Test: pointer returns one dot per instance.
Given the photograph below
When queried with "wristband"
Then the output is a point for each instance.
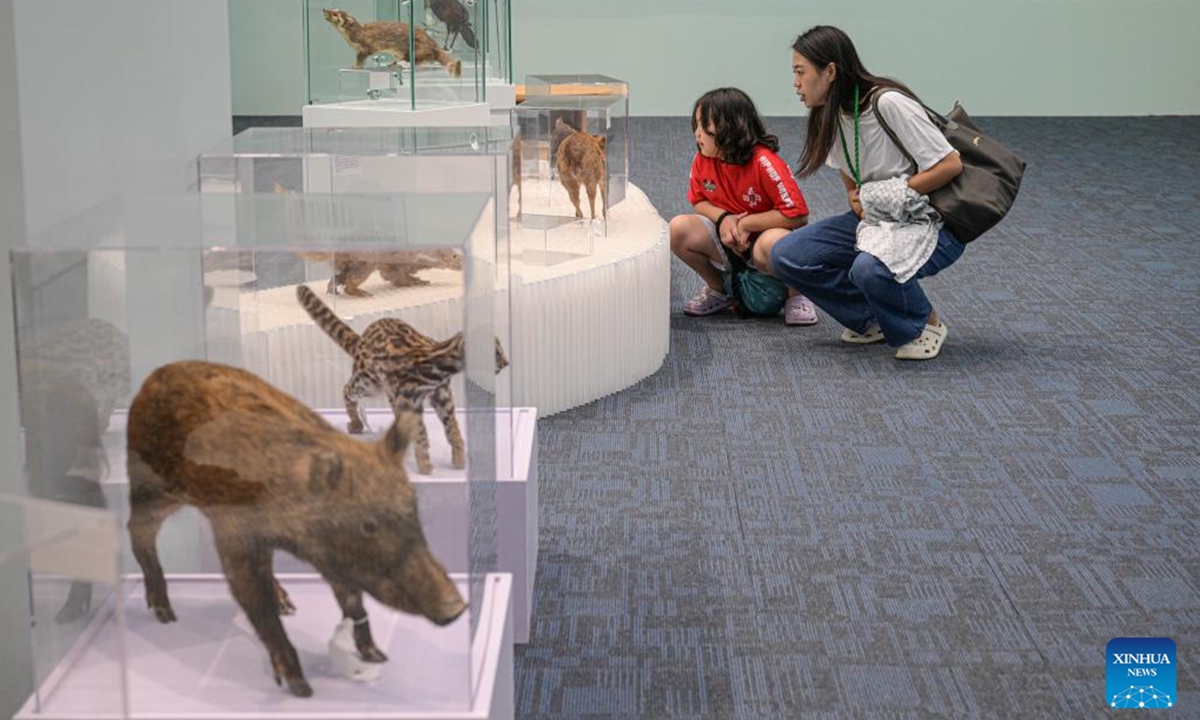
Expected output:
(721, 218)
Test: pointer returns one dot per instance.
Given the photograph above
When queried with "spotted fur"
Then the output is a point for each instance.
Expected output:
(393, 359)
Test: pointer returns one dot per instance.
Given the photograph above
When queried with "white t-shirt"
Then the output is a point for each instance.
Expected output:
(879, 157)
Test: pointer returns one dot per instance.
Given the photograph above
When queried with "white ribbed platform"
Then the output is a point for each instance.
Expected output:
(581, 329)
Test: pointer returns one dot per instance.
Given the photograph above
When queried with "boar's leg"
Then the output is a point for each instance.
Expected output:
(147, 509)
(443, 404)
(247, 567)
(351, 602)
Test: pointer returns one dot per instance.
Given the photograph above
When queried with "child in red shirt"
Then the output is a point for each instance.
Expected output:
(745, 196)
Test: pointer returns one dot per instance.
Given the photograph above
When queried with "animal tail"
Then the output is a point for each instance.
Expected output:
(468, 36)
(333, 326)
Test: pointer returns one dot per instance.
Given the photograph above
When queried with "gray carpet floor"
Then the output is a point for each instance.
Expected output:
(778, 525)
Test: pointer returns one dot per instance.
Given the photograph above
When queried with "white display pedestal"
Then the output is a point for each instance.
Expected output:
(582, 329)
(441, 499)
(501, 96)
(210, 664)
(395, 113)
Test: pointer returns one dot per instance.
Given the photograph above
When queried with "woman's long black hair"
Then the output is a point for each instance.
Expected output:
(735, 123)
(822, 45)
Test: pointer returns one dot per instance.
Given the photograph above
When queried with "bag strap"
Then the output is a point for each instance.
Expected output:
(888, 128)
(736, 262)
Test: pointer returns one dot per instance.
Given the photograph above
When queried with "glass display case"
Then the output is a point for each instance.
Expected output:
(574, 165)
(542, 84)
(185, 379)
(296, 169)
(411, 54)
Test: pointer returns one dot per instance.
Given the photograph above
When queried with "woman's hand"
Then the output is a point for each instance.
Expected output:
(855, 203)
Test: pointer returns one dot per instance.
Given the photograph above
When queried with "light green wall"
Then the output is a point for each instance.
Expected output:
(999, 57)
(267, 56)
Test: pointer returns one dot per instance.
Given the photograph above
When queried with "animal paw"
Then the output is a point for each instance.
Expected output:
(164, 613)
(297, 686)
(286, 606)
(372, 654)
(424, 466)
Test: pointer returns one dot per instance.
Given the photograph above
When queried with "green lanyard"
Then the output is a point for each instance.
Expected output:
(856, 165)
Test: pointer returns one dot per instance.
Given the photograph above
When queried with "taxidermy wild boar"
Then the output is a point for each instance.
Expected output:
(269, 473)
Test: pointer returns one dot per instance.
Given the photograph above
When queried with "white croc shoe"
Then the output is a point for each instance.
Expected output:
(873, 335)
(926, 346)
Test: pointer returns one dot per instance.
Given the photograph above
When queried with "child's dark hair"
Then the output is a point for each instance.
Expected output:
(736, 125)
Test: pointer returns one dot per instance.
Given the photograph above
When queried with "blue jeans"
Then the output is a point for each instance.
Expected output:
(853, 287)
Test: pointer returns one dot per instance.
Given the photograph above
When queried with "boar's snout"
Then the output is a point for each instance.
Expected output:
(423, 587)
(451, 610)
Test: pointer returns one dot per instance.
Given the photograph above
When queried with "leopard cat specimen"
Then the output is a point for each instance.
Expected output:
(389, 37)
(581, 162)
(399, 267)
(392, 358)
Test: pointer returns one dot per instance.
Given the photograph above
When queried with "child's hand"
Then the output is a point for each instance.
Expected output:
(742, 235)
(732, 235)
(728, 230)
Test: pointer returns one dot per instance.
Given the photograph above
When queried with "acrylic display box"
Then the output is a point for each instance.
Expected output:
(566, 196)
(294, 164)
(361, 69)
(543, 84)
(163, 300)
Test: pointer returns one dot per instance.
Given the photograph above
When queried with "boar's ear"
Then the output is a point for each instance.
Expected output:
(324, 472)
(395, 442)
(603, 140)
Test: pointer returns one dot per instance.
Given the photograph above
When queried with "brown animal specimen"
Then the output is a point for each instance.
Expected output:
(392, 358)
(561, 131)
(389, 37)
(581, 162)
(399, 267)
(270, 474)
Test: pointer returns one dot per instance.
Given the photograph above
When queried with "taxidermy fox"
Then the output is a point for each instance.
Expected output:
(581, 162)
(398, 267)
(391, 38)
